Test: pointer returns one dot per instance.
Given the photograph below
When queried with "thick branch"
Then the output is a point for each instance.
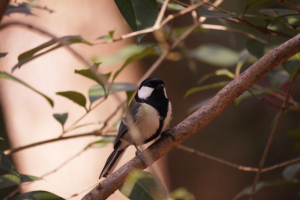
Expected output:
(201, 117)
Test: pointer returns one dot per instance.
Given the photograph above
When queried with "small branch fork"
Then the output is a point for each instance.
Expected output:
(267, 148)
(233, 165)
(287, 4)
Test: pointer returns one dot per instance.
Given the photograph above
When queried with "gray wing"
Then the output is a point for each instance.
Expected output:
(133, 110)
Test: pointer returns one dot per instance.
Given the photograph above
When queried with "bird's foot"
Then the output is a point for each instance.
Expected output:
(140, 155)
(169, 133)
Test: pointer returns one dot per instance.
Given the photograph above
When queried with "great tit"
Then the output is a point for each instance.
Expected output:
(148, 115)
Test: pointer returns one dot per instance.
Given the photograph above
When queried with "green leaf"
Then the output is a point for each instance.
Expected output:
(129, 95)
(262, 185)
(245, 57)
(109, 37)
(182, 193)
(292, 20)
(290, 64)
(278, 77)
(144, 53)
(293, 73)
(295, 134)
(275, 12)
(213, 14)
(61, 118)
(8, 76)
(256, 48)
(124, 53)
(103, 142)
(96, 92)
(216, 55)
(206, 87)
(8, 180)
(170, 6)
(138, 14)
(253, 3)
(92, 74)
(1, 138)
(3, 54)
(290, 172)
(37, 51)
(76, 97)
(7, 165)
(220, 72)
(39, 195)
(143, 185)
(247, 94)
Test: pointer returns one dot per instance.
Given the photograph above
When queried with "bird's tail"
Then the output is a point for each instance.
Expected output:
(114, 159)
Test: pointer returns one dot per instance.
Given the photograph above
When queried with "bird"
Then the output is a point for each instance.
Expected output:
(146, 118)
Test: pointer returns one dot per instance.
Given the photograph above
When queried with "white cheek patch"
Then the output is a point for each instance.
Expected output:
(145, 92)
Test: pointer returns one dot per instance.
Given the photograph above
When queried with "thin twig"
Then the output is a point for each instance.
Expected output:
(13, 193)
(44, 32)
(224, 28)
(281, 164)
(64, 163)
(166, 20)
(14, 150)
(80, 118)
(95, 133)
(289, 5)
(84, 189)
(46, 174)
(194, 13)
(271, 103)
(238, 20)
(264, 156)
(218, 160)
(233, 165)
(161, 14)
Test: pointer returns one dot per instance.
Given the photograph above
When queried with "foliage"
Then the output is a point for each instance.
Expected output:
(277, 23)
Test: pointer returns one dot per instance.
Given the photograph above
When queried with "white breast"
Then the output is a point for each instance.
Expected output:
(145, 126)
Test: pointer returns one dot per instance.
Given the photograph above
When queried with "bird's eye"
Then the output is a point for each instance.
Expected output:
(149, 85)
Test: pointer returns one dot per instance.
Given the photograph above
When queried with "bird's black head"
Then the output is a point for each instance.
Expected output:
(151, 89)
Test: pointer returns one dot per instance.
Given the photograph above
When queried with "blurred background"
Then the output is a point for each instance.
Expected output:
(238, 135)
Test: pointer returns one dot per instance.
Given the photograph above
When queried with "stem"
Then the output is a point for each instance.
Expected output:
(267, 148)
(218, 160)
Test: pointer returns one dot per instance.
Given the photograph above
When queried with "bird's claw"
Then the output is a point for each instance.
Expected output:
(141, 156)
(169, 133)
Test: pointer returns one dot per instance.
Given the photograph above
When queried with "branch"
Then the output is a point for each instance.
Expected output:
(271, 137)
(289, 5)
(201, 117)
(224, 28)
(44, 32)
(14, 150)
(281, 164)
(218, 160)
(233, 165)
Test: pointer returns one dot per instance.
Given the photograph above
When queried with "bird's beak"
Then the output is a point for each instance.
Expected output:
(160, 86)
